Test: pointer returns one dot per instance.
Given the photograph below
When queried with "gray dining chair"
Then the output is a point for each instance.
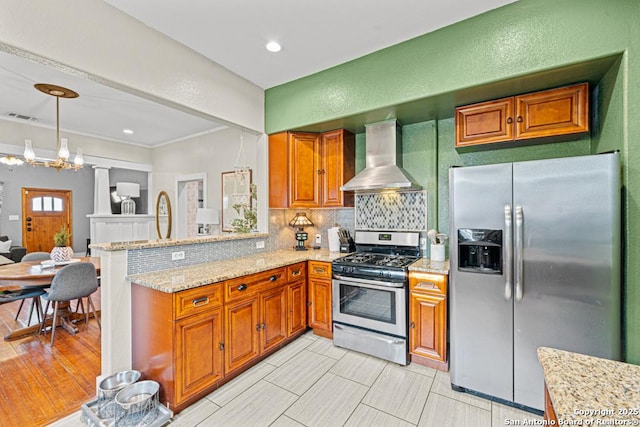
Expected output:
(74, 281)
(34, 294)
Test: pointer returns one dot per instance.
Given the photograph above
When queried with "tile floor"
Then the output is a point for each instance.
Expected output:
(312, 383)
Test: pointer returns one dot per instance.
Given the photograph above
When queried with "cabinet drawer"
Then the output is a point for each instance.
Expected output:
(427, 282)
(248, 285)
(296, 271)
(197, 300)
(320, 269)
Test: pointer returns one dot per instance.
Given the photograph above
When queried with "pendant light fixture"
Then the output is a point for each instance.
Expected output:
(62, 146)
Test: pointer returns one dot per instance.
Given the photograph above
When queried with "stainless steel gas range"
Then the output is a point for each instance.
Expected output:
(370, 294)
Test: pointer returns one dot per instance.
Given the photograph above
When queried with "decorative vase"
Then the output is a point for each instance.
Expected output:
(61, 253)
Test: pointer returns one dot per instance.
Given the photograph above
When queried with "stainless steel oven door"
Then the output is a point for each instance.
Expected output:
(370, 304)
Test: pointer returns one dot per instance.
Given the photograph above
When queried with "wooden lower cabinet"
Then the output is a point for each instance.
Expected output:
(176, 340)
(297, 307)
(273, 313)
(241, 340)
(198, 354)
(195, 340)
(428, 319)
(320, 316)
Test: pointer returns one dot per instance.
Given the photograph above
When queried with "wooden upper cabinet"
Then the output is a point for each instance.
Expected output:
(484, 123)
(338, 167)
(306, 170)
(551, 112)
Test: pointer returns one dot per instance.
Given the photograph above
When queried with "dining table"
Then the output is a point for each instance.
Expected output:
(34, 274)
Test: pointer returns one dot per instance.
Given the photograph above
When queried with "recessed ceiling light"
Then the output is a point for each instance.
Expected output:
(274, 47)
(127, 131)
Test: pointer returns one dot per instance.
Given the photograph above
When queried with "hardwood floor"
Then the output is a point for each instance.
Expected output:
(40, 384)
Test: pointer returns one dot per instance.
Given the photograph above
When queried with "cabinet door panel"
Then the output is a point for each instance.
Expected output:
(297, 306)
(274, 317)
(320, 316)
(304, 168)
(484, 123)
(198, 355)
(241, 334)
(338, 167)
(427, 320)
(553, 112)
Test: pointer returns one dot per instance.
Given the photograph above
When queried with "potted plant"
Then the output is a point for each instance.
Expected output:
(62, 251)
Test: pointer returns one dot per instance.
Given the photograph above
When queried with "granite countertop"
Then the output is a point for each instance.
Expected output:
(587, 390)
(159, 243)
(425, 265)
(179, 279)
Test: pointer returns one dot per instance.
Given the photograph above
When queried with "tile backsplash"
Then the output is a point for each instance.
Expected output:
(396, 211)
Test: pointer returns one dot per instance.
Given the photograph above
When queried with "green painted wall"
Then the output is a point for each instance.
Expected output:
(523, 44)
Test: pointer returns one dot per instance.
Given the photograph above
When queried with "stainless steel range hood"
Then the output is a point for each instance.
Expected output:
(383, 168)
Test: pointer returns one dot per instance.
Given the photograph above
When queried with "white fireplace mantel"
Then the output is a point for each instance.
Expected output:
(107, 228)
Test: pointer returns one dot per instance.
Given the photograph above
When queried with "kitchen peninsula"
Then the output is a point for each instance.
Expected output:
(145, 263)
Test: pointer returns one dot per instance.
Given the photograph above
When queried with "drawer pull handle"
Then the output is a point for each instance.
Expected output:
(273, 278)
(426, 285)
(296, 273)
(199, 302)
(242, 287)
(320, 270)
(412, 325)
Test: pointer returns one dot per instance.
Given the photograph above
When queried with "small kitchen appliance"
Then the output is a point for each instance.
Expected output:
(370, 294)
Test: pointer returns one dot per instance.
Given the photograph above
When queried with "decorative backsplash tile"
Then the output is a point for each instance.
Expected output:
(393, 211)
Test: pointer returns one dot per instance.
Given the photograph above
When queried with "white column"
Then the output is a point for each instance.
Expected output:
(115, 302)
(101, 196)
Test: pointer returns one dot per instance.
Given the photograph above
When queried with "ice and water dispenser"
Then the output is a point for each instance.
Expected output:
(480, 250)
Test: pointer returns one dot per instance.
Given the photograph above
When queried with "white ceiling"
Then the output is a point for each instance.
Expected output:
(315, 35)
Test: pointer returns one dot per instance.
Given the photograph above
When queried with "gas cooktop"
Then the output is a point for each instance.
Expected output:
(377, 260)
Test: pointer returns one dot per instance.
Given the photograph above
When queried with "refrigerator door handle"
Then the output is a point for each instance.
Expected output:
(508, 251)
(518, 253)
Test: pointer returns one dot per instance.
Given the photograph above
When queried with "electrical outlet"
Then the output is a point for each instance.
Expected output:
(260, 244)
(175, 256)
(318, 239)
(14, 218)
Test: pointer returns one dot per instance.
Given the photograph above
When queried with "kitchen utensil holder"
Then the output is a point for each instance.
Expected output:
(437, 253)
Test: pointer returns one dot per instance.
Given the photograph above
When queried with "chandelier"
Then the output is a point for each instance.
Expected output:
(62, 148)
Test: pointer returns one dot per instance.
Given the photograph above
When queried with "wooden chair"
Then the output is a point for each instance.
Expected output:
(74, 281)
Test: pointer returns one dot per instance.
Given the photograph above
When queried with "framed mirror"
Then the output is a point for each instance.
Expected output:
(163, 216)
(236, 198)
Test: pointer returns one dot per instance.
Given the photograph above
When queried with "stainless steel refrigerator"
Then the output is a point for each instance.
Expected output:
(535, 261)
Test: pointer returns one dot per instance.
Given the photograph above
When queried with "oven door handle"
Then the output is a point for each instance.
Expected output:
(378, 283)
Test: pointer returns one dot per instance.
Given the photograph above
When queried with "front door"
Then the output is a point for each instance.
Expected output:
(44, 212)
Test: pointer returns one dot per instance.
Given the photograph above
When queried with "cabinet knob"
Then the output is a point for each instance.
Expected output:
(509, 120)
(412, 325)
(296, 273)
(263, 325)
(242, 287)
(273, 278)
(257, 326)
(221, 347)
(308, 303)
(519, 119)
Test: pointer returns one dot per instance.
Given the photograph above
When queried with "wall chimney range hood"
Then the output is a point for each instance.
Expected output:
(383, 168)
